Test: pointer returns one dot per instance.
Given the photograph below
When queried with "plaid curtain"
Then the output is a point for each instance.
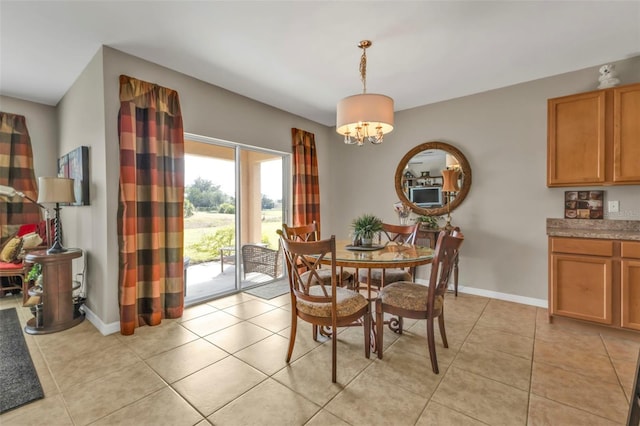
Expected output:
(16, 171)
(151, 197)
(306, 186)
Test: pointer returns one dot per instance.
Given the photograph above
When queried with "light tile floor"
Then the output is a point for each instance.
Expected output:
(223, 364)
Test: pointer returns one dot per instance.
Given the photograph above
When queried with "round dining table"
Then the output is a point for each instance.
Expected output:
(385, 256)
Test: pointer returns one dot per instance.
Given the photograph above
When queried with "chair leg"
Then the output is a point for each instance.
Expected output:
(334, 351)
(292, 336)
(455, 277)
(432, 345)
(379, 327)
(367, 335)
(443, 333)
(315, 333)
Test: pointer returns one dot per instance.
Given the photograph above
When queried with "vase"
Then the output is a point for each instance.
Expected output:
(366, 242)
(404, 220)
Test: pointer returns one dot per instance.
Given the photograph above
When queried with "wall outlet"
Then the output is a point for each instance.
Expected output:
(614, 206)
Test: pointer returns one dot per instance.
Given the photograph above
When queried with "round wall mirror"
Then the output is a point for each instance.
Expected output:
(419, 178)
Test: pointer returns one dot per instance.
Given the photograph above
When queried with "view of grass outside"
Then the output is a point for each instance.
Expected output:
(206, 232)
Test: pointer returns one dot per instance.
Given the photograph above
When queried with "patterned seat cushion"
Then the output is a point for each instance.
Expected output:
(325, 276)
(347, 301)
(390, 276)
(408, 295)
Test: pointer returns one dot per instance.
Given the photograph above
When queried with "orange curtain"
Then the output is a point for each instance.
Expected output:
(306, 186)
(151, 197)
(16, 171)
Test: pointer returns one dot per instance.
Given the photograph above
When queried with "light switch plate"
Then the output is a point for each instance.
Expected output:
(614, 206)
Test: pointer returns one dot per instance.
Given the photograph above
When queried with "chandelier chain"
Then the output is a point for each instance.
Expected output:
(363, 69)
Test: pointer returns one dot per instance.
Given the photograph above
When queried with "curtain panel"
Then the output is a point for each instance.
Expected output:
(16, 171)
(151, 197)
(306, 185)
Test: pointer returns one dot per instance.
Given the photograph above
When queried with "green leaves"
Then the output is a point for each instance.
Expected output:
(366, 225)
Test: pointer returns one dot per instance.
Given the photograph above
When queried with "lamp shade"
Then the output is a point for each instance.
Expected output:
(452, 162)
(371, 108)
(450, 180)
(55, 190)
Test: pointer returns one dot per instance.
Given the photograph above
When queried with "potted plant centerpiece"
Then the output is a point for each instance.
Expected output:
(428, 222)
(365, 227)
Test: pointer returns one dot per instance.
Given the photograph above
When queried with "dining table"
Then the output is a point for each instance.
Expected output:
(384, 256)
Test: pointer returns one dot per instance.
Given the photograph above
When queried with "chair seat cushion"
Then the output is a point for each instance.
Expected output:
(4, 266)
(408, 295)
(348, 302)
(390, 276)
(325, 276)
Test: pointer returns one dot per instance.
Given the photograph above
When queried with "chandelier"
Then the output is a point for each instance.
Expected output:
(367, 116)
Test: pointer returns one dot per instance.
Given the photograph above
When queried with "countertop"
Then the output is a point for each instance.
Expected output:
(594, 228)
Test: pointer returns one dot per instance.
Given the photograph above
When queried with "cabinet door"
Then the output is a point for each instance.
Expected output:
(631, 294)
(626, 134)
(576, 139)
(581, 287)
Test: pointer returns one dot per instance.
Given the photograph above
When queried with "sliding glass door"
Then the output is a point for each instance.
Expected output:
(234, 202)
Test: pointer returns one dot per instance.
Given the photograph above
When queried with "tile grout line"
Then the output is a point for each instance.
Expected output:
(451, 365)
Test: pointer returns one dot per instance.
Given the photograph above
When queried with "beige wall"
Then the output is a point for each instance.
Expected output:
(503, 134)
(81, 123)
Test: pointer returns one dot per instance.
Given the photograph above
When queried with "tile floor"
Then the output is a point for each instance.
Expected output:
(223, 364)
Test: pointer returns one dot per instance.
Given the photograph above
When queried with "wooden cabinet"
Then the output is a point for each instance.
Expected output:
(595, 280)
(630, 281)
(593, 138)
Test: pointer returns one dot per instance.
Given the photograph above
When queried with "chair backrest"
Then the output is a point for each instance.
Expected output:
(309, 255)
(446, 252)
(404, 234)
(308, 232)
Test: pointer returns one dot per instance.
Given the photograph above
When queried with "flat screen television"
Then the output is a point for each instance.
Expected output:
(426, 196)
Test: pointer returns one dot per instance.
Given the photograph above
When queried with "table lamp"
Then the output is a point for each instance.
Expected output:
(450, 186)
(56, 190)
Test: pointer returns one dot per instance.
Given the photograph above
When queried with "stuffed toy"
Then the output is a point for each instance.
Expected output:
(608, 76)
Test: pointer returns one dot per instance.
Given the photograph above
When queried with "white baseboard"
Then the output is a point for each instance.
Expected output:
(540, 303)
(103, 328)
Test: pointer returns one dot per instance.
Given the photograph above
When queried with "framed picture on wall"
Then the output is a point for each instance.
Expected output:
(75, 165)
(583, 204)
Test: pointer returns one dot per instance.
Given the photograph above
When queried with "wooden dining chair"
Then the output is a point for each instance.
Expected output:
(311, 232)
(417, 301)
(398, 234)
(320, 303)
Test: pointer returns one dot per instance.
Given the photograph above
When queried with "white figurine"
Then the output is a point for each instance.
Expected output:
(608, 76)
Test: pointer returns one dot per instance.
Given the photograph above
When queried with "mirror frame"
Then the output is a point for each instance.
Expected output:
(466, 181)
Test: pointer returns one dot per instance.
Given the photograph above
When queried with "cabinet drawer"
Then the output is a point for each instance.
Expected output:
(582, 246)
(630, 249)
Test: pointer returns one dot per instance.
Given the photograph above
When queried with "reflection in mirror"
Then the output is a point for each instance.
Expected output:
(419, 178)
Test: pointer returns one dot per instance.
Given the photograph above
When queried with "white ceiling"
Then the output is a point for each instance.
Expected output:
(301, 56)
